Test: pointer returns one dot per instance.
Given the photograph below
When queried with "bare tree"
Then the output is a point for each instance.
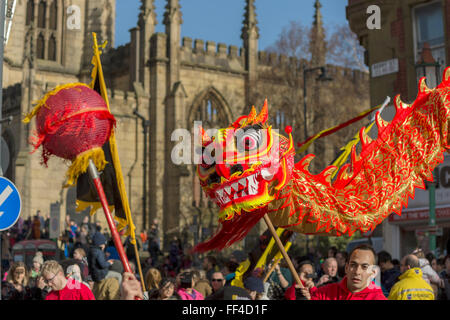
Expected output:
(281, 81)
(344, 49)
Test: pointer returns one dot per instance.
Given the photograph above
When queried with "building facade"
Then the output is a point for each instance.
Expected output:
(171, 81)
(410, 33)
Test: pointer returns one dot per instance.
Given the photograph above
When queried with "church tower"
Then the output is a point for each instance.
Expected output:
(250, 36)
(316, 116)
(317, 44)
(140, 45)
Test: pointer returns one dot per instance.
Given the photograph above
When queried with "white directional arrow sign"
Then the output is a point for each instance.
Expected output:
(4, 195)
(10, 204)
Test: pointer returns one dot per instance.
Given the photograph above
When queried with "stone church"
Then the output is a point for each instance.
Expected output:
(171, 81)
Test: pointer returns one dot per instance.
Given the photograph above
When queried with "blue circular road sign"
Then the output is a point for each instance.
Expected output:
(10, 204)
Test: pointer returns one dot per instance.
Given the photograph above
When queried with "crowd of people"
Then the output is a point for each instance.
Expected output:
(91, 269)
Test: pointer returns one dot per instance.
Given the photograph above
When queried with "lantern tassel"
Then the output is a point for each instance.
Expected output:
(81, 164)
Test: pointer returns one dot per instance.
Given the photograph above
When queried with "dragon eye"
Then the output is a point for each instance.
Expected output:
(208, 158)
(250, 140)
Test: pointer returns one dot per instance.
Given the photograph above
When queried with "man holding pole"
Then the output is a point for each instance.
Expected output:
(360, 271)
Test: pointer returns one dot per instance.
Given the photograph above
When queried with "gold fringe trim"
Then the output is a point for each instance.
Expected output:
(42, 101)
(247, 205)
(81, 163)
(83, 205)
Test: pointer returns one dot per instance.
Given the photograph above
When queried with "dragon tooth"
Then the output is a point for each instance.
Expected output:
(236, 196)
(243, 182)
(243, 194)
(220, 193)
(252, 185)
(226, 200)
(228, 189)
(235, 186)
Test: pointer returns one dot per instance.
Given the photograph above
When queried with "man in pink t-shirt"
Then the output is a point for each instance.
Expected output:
(62, 288)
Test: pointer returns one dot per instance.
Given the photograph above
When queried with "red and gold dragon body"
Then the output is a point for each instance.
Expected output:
(248, 170)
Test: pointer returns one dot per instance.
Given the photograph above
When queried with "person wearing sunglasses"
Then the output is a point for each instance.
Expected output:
(217, 281)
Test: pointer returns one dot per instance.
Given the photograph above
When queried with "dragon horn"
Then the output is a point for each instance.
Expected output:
(423, 85)
(251, 116)
(263, 115)
(205, 138)
(447, 74)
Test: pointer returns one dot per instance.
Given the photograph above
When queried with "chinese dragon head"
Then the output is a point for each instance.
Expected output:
(247, 163)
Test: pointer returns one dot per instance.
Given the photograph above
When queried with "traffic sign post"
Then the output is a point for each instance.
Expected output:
(10, 207)
(432, 217)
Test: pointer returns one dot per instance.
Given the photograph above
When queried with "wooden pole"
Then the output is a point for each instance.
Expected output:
(271, 270)
(282, 250)
(138, 262)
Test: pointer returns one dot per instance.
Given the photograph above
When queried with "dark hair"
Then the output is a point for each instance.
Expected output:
(301, 259)
(334, 250)
(344, 254)
(430, 257)
(165, 281)
(232, 266)
(305, 262)
(185, 285)
(384, 256)
(395, 262)
(364, 246)
(446, 257)
(212, 260)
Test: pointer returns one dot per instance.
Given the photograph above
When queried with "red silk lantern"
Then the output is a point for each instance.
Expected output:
(72, 122)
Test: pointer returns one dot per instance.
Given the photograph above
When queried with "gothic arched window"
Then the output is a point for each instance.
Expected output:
(30, 12)
(47, 17)
(40, 47)
(52, 48)
(210, 110)
(53, 16)
(281, 119)
(41, 14)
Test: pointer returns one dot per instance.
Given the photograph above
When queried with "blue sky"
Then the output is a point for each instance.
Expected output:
(221, 20)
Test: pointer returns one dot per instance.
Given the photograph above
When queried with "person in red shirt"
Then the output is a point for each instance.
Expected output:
(62, 288)
(358, 284)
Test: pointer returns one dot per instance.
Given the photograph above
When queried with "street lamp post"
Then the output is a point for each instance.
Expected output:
(432, 214)
(428, 67)
(322, 77)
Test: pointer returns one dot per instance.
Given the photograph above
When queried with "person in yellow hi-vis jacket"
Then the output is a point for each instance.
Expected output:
(411, 285)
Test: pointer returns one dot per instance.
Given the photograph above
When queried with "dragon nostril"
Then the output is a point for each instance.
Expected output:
(236, 168)
(214, 178)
